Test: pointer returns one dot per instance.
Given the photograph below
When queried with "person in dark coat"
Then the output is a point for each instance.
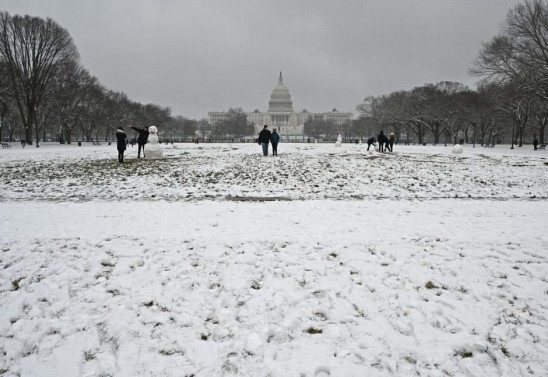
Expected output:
(391, 141)
(535, 143)
(264, 139)
(141, 139)
(371, 141)
(274, 139)
(121, 142)
(383, 140)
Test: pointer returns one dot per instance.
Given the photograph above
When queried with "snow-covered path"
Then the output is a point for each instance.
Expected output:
(302, 288)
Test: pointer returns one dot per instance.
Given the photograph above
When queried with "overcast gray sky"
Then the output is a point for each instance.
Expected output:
(200, 56)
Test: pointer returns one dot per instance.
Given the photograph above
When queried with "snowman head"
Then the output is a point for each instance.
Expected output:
(152, 130)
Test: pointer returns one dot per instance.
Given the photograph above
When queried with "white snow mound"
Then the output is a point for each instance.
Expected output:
(457, 149)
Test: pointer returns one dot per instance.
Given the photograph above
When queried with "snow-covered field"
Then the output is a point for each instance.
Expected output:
(412, 263)
(302, 171)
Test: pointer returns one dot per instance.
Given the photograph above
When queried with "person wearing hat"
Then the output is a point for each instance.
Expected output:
(391, 141)
(121, 139)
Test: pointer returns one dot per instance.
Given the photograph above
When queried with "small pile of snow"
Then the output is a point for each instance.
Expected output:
(457, 149)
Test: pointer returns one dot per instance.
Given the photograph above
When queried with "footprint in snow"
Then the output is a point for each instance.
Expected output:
(322, 371)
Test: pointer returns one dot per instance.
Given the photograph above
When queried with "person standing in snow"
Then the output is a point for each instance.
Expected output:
(141, 139)
(371, 141)
(121, 140)
(391, 141)
(274, 139)
(535, 143)
(264, 139)
(383, 140)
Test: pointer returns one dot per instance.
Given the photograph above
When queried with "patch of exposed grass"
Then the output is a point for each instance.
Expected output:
(313, 330)
(15, 284)
(89, 355)
(464, 354)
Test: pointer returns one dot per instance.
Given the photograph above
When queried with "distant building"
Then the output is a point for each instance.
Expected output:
(280, 115)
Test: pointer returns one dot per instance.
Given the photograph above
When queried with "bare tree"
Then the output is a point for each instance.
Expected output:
(235, 125)
(517, 106)
(34, 49)
(520, 52)
(69, 90)
(539, 118)
(91, 109)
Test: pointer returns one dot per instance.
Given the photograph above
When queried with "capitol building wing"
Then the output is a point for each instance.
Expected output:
(280, 115)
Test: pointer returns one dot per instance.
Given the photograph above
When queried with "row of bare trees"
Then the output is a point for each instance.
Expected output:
(235, 126)
(509, 105)
(45, 90)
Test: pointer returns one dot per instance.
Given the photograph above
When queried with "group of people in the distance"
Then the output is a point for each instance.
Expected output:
(265, 137)
(385, 143)
(121, 141)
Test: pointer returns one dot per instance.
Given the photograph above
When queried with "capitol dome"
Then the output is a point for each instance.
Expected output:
(280, 99)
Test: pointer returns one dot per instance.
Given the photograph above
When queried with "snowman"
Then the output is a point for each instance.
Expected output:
(339, 141)
(154, 149)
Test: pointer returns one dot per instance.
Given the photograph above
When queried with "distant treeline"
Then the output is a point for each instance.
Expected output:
(45, 93)
(510, 104)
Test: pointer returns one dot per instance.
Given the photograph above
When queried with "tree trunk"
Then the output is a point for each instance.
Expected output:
(541, 133)
(67, 134)
(37, 134)
(436, 133)
(28, 135)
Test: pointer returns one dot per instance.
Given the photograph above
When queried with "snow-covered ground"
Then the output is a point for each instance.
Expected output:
(302, 171)
(180, 268)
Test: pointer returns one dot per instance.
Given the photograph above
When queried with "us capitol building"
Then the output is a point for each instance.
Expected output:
(280, 115)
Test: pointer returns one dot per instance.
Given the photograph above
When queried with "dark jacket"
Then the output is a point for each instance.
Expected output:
(382, 138)
(371, 140)
(121, 138)
(392, 139)
(275, 138)
(143, 135)
(264, 136)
